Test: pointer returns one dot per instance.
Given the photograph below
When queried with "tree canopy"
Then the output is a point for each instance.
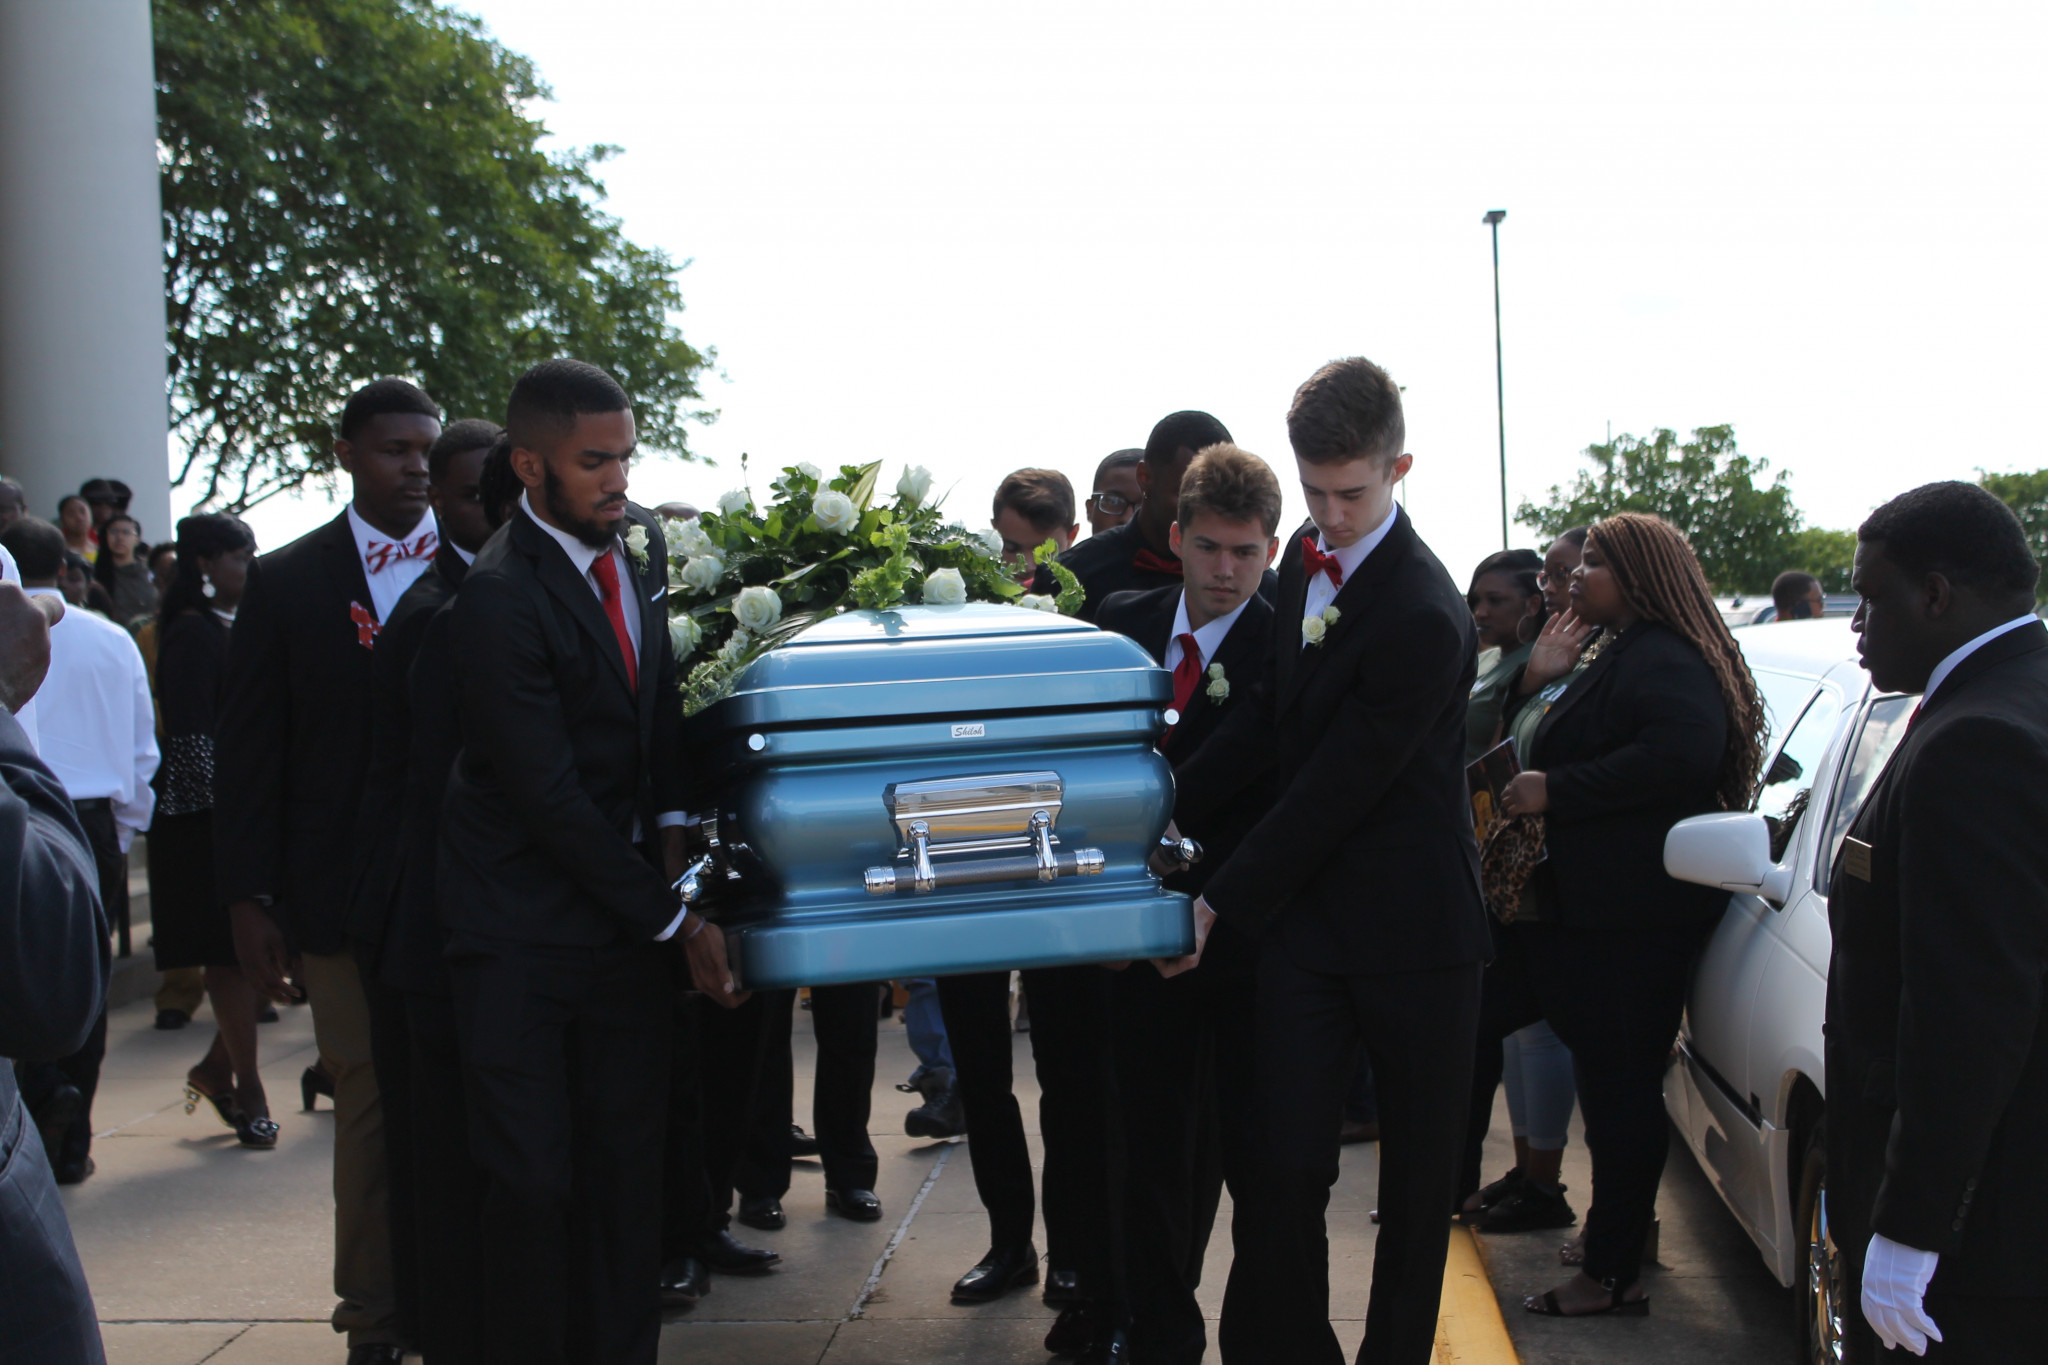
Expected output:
(1738, 516)
(351, 189)
(2027, 496)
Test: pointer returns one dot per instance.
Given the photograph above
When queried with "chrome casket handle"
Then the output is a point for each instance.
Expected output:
(1044, 864)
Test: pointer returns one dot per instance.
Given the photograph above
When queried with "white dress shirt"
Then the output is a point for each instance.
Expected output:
(1208, 639)
(1321, 591)
(26, 716)
(389, 583)
(1948, 665)
(98, 727)
(582, 557)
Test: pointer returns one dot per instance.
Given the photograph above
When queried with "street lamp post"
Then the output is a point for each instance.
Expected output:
(1492, 221)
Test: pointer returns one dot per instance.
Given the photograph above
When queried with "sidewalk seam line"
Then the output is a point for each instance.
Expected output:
(225, 1344)
(874, 1279)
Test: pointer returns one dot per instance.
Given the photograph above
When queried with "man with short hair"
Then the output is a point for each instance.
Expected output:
(13, 503)
(1798, 597)
(1937, 1013)
(561, 836)
(1033, 506)
(1183, 1047)
(98, 735)
(106, 498)
(1362, 880)
(1116, 494)
(289, 763)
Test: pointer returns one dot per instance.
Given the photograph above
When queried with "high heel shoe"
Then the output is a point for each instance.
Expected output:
(223, 1105)
(258, 1131)
(313, 1081)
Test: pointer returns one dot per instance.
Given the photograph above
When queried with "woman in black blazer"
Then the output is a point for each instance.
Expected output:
(1664, 724)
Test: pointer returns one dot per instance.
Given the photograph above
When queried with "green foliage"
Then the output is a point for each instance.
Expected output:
(1071, 595)
(351, 188)
(1829, 556)
(1744, 529)
(2027, 496)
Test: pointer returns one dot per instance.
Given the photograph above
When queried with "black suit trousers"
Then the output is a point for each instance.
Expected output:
(566, 1056)
(1069, 1023)
(82, 1068)
(845, 1020)
(447, 1184)
(1417, 1028)
(1184, 1068)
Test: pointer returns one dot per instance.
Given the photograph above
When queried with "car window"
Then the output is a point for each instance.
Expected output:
(1784, 695)
(1883, 727)
(1788, 782)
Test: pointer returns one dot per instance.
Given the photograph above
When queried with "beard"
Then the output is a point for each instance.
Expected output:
(598, 535)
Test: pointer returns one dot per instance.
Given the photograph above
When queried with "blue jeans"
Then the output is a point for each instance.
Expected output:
(926, 1027)
(1537, 1071)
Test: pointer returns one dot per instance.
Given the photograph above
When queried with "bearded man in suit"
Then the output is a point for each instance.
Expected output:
(561, 836)
(1937, 1014)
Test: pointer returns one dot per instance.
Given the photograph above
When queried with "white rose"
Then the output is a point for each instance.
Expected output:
(1216, 670)
(835, 512)
(1039, 601)
(684, 635)
(735, 502)
(737, 645)
(1313, 629)
(701, 574)
(688, 539)
(1330, 615)
(808, 470)
(636, 543)
(914, 485)
(945, 588)
(757, 608)
(1219, 690)
(992, 541)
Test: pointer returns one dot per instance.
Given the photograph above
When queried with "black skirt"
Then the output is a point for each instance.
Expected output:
(188, 922)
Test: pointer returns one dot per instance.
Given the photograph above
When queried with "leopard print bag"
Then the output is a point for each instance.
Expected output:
(1514, 847)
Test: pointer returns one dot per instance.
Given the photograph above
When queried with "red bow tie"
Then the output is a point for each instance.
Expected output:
(384, 553)
(1314, 561)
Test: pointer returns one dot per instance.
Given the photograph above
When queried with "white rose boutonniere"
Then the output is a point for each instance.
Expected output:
(737, 501)
(915, 483)
(757, 608)
(835, 512)
(1219, 686)
(702, 573)
(636, 546)
(945, 588)
(1314, 628)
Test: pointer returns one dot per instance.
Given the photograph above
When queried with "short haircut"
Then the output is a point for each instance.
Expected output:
(1789, 588)
(68, 498)
(471, 433)
(1231, 483)
(1957, 530)
(38, 548)
(1574, 536)
(380, 396)
(161, 550)
(1178, 431)
(497, 486)
(121, 516)
(547, 400)
(1042, 497)
(1347, 410)
(1115, 460)
(111, 491)
(8, 485)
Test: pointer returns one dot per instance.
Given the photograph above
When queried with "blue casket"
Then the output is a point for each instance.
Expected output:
(935, 790)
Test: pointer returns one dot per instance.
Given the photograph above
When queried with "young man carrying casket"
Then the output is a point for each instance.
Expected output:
(1183, 1046)
(1362, 881)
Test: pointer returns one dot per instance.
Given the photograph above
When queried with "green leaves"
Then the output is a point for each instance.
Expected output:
(352, 188)
(1070, 595)
(2027, 496)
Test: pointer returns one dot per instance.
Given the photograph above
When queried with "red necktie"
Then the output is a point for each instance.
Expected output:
(1314, 561)
(1152, 561)
(607, 570)
(1187, 675)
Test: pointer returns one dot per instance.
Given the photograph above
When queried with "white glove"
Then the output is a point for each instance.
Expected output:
(1894, 1285)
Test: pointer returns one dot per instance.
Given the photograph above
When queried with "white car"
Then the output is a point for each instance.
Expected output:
(1746, 1082)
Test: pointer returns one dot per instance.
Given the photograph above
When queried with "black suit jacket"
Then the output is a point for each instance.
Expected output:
(1365, 863)
(294, 739)
(391, 835)
(1937, 1015)
(1631, 748)
(1106, 563)
(1147, 617)
(559, 758)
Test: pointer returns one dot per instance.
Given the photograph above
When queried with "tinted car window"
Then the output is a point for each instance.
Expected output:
(1788, 782)
(1883, 728)
(1784, 695)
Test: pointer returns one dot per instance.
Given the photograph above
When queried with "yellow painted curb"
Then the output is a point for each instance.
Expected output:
(1469, 1329)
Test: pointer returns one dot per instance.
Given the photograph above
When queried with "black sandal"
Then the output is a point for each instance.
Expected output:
(1546, 1305)
(259, 1132)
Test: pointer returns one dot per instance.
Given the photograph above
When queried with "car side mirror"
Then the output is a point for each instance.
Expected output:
(1731, 851)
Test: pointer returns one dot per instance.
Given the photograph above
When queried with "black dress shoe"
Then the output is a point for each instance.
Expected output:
(1077, 1328)
(1111, 1348)
(800, 1142)
(381, 1354)
(170, 1019)
(74, 1170)
(764, 1213)
(1003, 1269)
(729, 1256)
(1532, 1207)
(859, 1205)
(684, 1281)
(1062, 1287)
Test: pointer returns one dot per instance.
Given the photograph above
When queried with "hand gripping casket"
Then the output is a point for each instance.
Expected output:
(935, 790)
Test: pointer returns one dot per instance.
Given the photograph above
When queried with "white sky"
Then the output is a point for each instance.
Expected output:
(980, 236)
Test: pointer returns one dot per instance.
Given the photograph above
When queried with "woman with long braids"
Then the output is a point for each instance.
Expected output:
(1664, 724)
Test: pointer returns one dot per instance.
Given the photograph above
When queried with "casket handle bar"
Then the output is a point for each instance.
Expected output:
(1183, 853)
(1081, 862)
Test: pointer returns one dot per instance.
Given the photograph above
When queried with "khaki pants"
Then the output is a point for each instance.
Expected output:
(183, 989)
(368, 1310)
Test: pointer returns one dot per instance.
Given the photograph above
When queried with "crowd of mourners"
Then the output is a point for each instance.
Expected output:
(382, 770)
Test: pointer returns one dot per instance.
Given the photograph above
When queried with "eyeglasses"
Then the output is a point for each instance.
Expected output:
(1111, 503)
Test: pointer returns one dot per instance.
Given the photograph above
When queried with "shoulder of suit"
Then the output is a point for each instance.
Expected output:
(1137, 603)
(335, 531)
